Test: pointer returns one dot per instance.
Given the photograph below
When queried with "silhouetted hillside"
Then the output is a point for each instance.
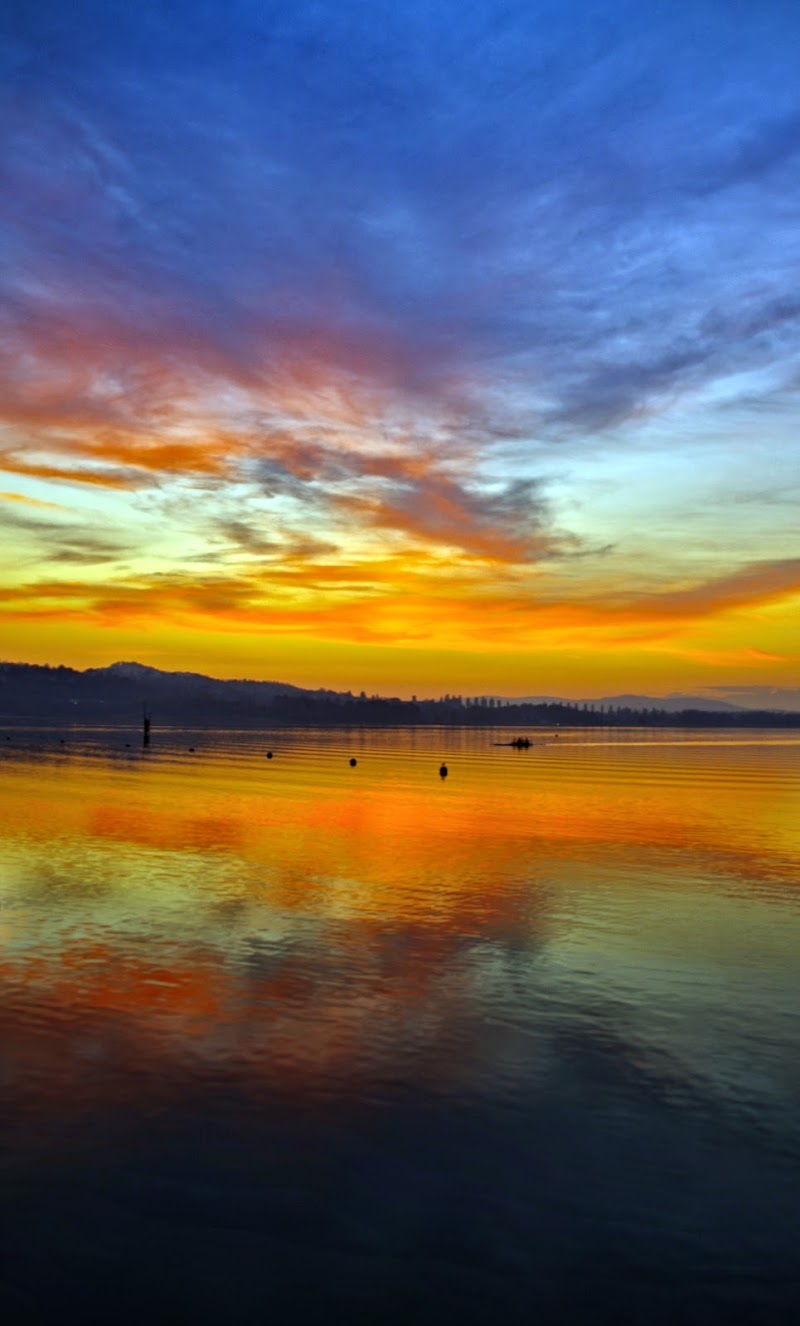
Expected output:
(117, 695)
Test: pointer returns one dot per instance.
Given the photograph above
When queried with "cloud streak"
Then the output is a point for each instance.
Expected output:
(362, 602)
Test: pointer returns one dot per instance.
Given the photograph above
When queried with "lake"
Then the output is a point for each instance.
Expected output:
(293, 1039)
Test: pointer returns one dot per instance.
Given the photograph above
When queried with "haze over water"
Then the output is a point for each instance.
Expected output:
(295, 1037)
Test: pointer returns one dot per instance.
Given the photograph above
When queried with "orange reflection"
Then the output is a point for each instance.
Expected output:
(181, 866)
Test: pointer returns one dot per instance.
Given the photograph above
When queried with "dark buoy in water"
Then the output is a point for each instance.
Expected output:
(443, 771)
(269, 754)
(353, 762)
(191, 748)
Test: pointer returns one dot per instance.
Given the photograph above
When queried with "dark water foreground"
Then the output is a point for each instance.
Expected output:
(292, 1040)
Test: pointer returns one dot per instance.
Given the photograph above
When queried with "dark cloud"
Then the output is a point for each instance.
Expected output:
(428, 498)
(281, 545)
(245, 536)
(61, 541)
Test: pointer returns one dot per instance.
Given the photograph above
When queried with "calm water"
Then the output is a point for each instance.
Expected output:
(290, 1040)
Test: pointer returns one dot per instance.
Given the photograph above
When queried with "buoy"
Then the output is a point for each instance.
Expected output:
(191, 748)
(269, 754)
(353, 763)
(443, 771)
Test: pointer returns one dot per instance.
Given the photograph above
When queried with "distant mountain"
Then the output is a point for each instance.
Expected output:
(187, 683)
(671, 704)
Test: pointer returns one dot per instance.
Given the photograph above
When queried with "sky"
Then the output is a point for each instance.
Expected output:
(410, 348)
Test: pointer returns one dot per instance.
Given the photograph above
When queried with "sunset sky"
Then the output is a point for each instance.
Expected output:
(413, 347)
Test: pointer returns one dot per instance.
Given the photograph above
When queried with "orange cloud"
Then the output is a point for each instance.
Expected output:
(758, 583)
(30, 501)
(13, 464)
(387, 602)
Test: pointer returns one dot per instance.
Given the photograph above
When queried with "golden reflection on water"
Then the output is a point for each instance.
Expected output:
(320, 926)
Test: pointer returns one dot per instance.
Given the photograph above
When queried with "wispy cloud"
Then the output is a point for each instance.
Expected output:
(62, 541)
(25, 500)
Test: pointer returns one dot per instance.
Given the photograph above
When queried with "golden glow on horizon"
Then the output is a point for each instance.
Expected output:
(549, 666)
(404, 644)
(304, 523)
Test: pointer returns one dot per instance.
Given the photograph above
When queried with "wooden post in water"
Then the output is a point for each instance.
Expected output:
(145, 726)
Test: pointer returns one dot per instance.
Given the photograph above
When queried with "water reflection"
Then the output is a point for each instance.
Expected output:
(444, 1040)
